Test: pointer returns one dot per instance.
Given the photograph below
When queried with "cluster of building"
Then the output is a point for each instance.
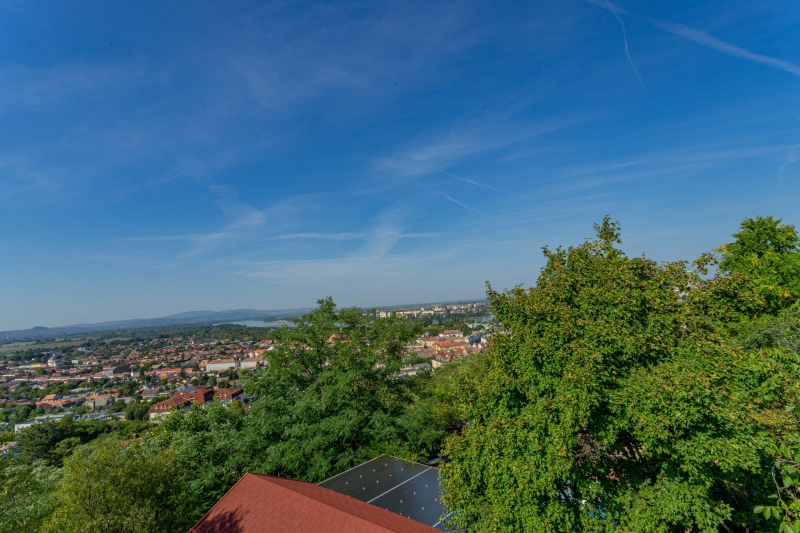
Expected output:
(481, 307)
(90, 380)
(449, 345)
(56, 417)
(176, 360)
(178, 367)
(185, 398)
(98, 403)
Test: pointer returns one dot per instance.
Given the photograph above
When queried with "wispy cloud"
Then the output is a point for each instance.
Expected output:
(477, 183)
(625, 40)
(25, 88)
(709, 41)
(791, 158)
(431, 153)
(702, 39)
(246, 224)
(462, 204)
(325, 51)
(367, 269)
(377, 257)
(345, 236)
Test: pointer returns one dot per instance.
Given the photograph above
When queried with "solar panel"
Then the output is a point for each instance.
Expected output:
(403, 487)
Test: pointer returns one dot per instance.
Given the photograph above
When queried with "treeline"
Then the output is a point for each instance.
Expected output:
(624, 395)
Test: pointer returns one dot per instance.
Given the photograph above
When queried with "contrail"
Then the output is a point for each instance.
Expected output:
(625, 40)
(476, 183)
(462, 204)
(700, 38)
(708, 41)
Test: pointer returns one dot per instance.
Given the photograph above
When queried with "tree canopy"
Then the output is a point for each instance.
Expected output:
(613, 402)
(766, 251)
(110, 486)
(331, 395)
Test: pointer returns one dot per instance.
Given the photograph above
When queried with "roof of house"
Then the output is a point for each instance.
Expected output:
(228, 393)
(193, 389)
(259, 504)
(195, 394)
(167, 405)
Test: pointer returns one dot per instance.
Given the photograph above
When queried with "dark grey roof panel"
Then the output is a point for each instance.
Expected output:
(373, 478)
(403, 487)
(417, 498)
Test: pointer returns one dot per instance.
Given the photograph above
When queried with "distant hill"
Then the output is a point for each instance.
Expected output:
(190, 317)
(191, 314)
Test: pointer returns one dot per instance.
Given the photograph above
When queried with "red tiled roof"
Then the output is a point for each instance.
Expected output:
(229, 393)
(168, 405)
(261, 504)
(451, 344)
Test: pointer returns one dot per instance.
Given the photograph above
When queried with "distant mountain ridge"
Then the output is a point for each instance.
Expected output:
(189, 317)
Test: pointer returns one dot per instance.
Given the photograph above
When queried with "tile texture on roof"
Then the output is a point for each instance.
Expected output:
(260, 504)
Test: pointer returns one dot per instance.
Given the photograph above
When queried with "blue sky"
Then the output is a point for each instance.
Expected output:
(171, 156)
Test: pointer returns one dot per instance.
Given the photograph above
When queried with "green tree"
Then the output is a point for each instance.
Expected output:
(137, 411)
(767, 252)
(779, 373)
(117, 406)
(212, 451)
(330, 396)
(39, 442)
(774, 345)
(109, 486)
(610, 404)
(21, 414)
(25, 495)
(65, 447)
(436, 407)
(128, 388)
(781, 331)
(52, 442)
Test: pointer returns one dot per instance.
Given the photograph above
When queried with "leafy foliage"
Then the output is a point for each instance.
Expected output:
(331, 395)
(25, 500)
(51, 442)
(211, 450)
(113, 486)
(780, 392)
(610, 404)
(767, 252)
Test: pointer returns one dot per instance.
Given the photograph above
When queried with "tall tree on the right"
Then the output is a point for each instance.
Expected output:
(768, 253)
(614, 401)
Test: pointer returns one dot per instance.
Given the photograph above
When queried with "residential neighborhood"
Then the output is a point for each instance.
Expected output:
(147, 379)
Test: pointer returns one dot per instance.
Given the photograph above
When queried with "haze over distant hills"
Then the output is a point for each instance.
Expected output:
(190, 317)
